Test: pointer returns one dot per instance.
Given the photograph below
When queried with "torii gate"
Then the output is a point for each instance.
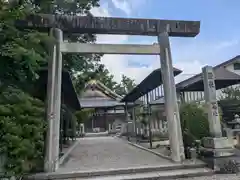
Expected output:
(107, 25)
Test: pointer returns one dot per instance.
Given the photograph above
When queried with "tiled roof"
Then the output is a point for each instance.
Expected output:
(223, 78)
(99, 102)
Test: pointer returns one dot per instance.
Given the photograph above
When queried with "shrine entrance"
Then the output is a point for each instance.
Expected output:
(105, 109)
(162, 29)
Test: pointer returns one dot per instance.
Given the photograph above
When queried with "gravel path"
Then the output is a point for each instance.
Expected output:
(109, 152)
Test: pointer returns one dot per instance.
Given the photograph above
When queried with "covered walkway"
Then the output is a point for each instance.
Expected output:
(151, 82)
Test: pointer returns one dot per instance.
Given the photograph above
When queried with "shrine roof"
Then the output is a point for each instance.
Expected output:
(96, 89)
(99, 102)
(68, 92)
(152, 81)
(223, 78)
(97, 95)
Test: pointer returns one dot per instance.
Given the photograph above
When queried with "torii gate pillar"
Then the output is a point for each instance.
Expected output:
(170, 96)
(51, 162)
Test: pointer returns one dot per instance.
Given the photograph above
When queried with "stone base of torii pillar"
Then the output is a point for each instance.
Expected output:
(218, 151)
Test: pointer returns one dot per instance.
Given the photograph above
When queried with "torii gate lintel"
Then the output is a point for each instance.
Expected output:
(110, 25)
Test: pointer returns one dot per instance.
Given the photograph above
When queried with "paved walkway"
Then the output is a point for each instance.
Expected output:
(95, 153)
(215, 177)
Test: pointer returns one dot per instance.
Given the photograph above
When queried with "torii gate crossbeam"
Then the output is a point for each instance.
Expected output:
(110, 25)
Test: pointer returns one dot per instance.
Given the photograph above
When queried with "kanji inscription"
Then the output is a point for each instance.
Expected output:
(109, 25)
(214, 109)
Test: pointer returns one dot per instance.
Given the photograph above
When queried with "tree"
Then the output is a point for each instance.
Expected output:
(22, 129)
(85, 67)
(70, 7)
(125, 86)
(194, 120)
(229, 103)
(194, 124)
(83, 115)
(128, 83)
(230, 93)
(98, 72)
(82, 67)
(21, 52)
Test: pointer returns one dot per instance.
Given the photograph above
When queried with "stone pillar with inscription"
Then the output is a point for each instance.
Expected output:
(211, 102)
(218, 145)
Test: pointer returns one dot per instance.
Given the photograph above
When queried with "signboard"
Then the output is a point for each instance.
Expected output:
(109, 25)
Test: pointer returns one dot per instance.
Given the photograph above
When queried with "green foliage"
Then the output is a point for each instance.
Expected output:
(83, 68)
(139, 113)
(83, 115)
(68, 122)
(22, 129)
(230, 103)
(230, 93)
(21, 52)
(194, 123)
(125, 86)
(70, 7)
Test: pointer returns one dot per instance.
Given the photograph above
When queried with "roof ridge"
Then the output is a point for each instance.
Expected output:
(111, 91)
(104, 87)
(214, 67)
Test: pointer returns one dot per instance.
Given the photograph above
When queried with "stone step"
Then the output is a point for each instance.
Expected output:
(123, 172)
(99, 134)
(155, 175)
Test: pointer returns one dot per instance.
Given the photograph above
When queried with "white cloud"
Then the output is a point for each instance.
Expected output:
(189, 69)
(129, 6)
(123, 5)
(227, 44)
(118, 64)
(100, 11)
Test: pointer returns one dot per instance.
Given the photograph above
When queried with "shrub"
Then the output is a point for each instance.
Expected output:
(194, 123)
(83, 115)
(22, 129)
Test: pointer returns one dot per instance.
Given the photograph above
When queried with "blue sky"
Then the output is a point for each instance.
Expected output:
(218, 41)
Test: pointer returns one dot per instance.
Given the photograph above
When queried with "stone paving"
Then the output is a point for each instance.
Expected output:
(96, 153)
(215, 177)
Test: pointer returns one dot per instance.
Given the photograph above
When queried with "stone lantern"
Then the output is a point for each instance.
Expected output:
(146, 114)
(235, 124)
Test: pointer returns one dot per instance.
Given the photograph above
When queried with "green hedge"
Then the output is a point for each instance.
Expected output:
(194, 123)
(22, 129)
